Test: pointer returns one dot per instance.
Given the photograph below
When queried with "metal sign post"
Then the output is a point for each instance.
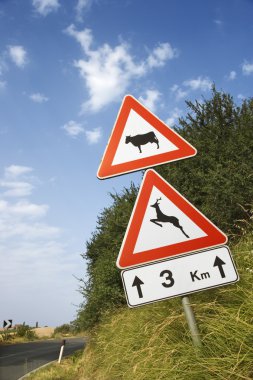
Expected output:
(190, 317)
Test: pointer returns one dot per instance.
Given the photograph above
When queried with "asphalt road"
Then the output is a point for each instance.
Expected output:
(18, 359)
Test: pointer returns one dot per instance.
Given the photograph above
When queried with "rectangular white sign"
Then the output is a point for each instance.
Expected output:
(179, 275)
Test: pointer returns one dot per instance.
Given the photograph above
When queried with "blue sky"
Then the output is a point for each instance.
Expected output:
(65, 67)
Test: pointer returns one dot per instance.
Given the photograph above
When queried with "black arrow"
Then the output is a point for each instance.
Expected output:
(137, 282)
(218, 263)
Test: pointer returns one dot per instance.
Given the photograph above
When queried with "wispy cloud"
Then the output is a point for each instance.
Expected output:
(81, 7)
(173, 117)
(108, 71)
(34, 259)
(15, 171)
(161, 54)
(16, 188)
(44, 7)
(232, 75)
(189, 85)
(218, 22)
(178, 92)
(247, 68)
(241, 96)
(15, 183)
(2, 84)
(15, 209)
(38, 98)
(150, 99)
(3, 65)
(199, 83)
(93, 136)
(73, 129)
(23, 208)
(18, 55)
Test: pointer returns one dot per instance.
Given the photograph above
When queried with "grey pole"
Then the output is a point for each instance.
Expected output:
(189, 315)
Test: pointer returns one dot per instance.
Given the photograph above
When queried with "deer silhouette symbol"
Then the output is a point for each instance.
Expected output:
(162, 218)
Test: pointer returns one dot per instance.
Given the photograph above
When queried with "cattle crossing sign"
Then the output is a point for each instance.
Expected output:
(140, 140)
(164, 224)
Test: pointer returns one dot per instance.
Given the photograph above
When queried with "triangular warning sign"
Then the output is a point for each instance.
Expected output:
(140, 140)
(163, 224)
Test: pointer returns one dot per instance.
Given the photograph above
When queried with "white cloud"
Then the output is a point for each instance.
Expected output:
(200, 83)
(13, 183)
(232, 75)
(108, 71)
(84, 37)
(34, 259)
(15, 216)
(2, 84)
(150, 99)
(218, 22)
(241, 96)
(17, 170)
(73, 129)
(38, 98)
(3, 65)
(18, 55)
(44, 7)
(28, 231)
(247, 68)
(23, 208)
(173, 117)
(16, 188)
(161, 54)
(81, 7)
(178, 92)
(107, 74)
(93, 136)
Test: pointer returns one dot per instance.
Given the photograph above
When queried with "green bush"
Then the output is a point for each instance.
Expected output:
(25, 331)
(218, 181)
(103, 290)
(153, 342)
(64, 329)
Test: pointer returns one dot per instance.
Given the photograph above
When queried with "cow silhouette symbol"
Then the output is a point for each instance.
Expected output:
(163, 218)
(143, 139)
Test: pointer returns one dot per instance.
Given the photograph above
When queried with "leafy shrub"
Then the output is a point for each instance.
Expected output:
(64, 329)
(25, 331)
(218, 181)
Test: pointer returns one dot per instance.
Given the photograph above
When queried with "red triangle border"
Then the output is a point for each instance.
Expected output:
(107, 170)
(126, 256)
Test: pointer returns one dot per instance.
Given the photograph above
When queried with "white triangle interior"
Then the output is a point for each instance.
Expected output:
(152, 236)
(136, 125)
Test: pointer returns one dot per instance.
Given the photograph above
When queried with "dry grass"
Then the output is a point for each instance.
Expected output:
(67, 369)
(44, 332)
(153, 342)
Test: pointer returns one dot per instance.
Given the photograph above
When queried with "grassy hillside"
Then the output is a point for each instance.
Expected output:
(153, 342)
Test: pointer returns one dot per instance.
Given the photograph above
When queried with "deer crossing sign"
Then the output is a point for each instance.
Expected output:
(164, 224)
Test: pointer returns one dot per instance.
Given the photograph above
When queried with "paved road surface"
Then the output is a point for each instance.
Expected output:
(18, 359)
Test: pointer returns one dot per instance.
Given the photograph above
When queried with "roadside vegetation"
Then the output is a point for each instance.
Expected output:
(22, 333)
(66, 370)
(218, 181)
(153, 342)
